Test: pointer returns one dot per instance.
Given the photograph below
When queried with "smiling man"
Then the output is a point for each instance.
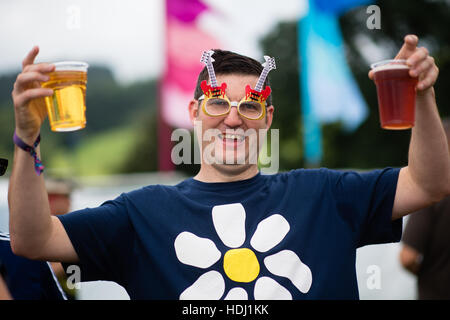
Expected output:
(231, 114)
(231, 155)
(231, 232)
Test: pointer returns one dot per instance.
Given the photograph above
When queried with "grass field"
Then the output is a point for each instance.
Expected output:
(99, 155)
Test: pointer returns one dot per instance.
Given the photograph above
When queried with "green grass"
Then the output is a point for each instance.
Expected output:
(101, 154)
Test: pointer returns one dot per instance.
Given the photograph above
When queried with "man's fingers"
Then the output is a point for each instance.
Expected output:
(411, 40)
(417, 57)
(34, 72)
(25, 78)
(428, 79)
(40, 67)
(24, 97)
(421, 67)
(409, 46)
(29, 59)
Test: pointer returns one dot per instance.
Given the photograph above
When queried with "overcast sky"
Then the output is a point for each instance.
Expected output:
(126, 35)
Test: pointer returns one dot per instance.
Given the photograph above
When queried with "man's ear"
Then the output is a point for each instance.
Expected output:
(269, 116)
(193, 110)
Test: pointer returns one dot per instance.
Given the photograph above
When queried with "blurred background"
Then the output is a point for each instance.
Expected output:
(144, 60)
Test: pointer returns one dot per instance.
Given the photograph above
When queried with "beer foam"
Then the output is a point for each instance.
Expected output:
(71, 66)
(390, 67)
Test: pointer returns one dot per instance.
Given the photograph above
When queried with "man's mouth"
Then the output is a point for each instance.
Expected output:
(227, 137)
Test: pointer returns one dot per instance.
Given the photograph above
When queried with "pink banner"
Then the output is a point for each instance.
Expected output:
(185, 43)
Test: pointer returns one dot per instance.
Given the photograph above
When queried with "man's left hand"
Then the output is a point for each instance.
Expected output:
(421, 64)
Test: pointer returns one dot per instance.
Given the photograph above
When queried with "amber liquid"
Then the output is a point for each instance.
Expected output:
(396, 98)
(67, 107)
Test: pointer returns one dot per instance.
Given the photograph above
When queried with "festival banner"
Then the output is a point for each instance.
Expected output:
(329, 92)
(185, 42)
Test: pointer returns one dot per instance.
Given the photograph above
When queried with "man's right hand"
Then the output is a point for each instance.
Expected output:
(35, 233)
(28, 97)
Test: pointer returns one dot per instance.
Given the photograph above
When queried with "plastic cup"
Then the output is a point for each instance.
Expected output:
(66, 108)
(396, 91)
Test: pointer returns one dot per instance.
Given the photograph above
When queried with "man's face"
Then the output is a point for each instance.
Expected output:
(230, 142)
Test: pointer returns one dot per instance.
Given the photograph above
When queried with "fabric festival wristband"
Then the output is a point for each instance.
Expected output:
(38, 166)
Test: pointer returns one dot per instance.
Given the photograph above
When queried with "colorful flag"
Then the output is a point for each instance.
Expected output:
(329, 91)
(185, 42)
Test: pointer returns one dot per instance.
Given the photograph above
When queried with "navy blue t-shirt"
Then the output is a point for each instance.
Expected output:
(290, 235)
(27, 279)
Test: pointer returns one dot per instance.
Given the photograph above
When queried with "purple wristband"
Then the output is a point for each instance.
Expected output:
(38, 166)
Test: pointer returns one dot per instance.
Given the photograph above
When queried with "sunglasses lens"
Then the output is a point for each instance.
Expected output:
(251, 109)
(217, 106)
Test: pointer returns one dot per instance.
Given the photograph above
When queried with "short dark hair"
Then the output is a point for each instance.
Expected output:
(3, 166)
(227, 62)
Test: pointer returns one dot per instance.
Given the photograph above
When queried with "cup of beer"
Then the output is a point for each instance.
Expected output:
(66, 108)
(396, 91)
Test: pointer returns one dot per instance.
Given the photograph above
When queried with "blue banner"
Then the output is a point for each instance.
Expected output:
(329, 92)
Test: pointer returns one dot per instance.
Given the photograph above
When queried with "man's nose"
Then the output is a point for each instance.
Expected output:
(233, 119)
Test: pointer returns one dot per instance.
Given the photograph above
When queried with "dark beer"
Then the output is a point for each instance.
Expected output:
(396, 96)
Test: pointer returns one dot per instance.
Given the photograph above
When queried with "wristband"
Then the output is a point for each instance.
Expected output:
(38, 166)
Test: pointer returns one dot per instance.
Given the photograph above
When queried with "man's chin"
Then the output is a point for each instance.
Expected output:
(231, 168)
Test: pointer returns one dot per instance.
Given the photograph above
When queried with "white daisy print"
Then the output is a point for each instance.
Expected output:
(241, 264)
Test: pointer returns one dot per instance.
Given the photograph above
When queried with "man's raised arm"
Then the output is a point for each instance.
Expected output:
(426, 179)
(34, 232)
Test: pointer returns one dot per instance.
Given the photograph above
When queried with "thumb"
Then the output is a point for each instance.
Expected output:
(409, 47)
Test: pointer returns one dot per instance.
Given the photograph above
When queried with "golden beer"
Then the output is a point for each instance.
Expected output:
(66, 108)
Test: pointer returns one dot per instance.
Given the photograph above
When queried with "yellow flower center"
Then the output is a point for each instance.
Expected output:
(241, 265)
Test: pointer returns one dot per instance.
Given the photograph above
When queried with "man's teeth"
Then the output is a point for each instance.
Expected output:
(232, 136)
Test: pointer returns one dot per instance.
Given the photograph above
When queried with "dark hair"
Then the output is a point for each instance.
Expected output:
(227, 62)
(3, 166)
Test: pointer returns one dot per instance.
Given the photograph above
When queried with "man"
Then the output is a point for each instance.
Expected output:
(230, 232)
(426, 246)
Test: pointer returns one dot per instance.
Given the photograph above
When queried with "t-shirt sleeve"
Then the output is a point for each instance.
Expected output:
(102, 238)
(365, 200)
(417, 230)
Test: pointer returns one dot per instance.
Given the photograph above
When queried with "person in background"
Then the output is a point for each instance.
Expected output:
(59, 198)
(25, 279)
(4, 292)
(426, 246)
